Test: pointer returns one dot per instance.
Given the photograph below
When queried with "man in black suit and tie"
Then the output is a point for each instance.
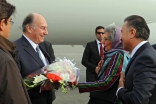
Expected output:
(154, 46)
(91, 55)
(139, 84)
(31, 56)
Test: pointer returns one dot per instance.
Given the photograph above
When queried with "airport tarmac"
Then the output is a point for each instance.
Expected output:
(73, 96)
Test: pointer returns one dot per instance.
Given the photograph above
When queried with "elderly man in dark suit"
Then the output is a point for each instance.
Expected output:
(31, 56)
(139, 84)
(92, 55)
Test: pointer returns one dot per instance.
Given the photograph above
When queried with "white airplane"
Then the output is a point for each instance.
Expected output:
(73, 22)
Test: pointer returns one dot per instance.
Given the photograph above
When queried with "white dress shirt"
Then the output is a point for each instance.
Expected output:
(34, 45)
(98, 44)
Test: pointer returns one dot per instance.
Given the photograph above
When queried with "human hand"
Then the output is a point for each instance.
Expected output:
(121, 80)
(97, 70)
(76, 83)
(100, 63)
(46, 85)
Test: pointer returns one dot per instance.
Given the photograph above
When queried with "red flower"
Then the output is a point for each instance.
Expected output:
(53, 77)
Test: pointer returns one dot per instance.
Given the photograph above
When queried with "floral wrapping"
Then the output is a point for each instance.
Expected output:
(62, 72)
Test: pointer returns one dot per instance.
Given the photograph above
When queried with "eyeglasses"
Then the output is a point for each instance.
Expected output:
(99, 32)
(11, 22)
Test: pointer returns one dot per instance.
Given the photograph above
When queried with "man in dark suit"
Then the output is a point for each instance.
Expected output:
(154, 46)
(31, 56)
(139, 84)
(91, 55)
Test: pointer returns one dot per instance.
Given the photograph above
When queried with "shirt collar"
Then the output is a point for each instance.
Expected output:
(98, 41)
(137, 47)
(34, 45)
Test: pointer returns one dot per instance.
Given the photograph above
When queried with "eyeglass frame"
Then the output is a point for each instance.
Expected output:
(11, 22)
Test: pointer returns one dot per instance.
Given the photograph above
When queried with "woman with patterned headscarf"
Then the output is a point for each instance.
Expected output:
(103, 91)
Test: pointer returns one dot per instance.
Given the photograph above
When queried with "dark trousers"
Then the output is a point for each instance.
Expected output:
(98, 101)
(45, 97)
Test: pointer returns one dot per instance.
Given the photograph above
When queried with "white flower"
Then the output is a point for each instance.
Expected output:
(65, 77)
(39, 78)
(53, 67)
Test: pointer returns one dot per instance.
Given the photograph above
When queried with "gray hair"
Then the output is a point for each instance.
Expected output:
(27, 20)
(112, 31)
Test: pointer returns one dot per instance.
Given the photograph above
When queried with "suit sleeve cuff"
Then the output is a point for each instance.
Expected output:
(118, 91)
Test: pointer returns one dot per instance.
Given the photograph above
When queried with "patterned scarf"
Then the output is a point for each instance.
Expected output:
(117, 47)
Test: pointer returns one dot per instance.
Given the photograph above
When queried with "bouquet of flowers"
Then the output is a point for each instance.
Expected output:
(62, 72)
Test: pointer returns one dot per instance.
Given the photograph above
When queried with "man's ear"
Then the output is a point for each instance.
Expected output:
(133, 32)
(2, 24)
(28, 28)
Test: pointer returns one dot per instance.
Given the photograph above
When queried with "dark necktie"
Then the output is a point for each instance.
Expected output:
(101, 51)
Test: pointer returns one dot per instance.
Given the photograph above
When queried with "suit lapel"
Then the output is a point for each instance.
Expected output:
(136, 54)
(30, 50)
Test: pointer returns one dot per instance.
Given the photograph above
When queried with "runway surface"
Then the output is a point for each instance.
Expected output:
(73, 96)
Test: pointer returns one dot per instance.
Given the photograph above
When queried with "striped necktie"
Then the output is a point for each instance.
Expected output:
(39, 53)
